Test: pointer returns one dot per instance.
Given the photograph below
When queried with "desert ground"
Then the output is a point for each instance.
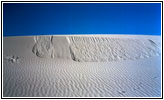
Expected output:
(82, 66)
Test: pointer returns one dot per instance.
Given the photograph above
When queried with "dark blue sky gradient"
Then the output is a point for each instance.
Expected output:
(21, 19)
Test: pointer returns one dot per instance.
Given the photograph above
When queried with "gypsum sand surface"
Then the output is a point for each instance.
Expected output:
(82, 66)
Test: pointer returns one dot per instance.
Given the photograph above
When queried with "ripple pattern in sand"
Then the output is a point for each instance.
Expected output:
(62, 78)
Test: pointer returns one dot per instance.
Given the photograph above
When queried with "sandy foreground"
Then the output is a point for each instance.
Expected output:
(82, 66)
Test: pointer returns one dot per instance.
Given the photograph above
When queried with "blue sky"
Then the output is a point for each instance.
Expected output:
(21, 19)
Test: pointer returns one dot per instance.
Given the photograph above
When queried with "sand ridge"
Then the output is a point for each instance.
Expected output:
(95, 49)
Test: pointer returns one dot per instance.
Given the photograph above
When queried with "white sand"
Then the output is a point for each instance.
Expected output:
(96, 49)
(89, 66)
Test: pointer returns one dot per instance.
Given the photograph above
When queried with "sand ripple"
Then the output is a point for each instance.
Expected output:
(72, 79)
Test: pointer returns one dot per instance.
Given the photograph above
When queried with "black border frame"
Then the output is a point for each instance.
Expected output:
(83, 97)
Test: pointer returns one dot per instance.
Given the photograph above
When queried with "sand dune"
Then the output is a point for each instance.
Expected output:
(97, 49)
(59, 66)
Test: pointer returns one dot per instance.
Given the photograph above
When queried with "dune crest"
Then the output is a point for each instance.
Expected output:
(101, 49)
(94, 49)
